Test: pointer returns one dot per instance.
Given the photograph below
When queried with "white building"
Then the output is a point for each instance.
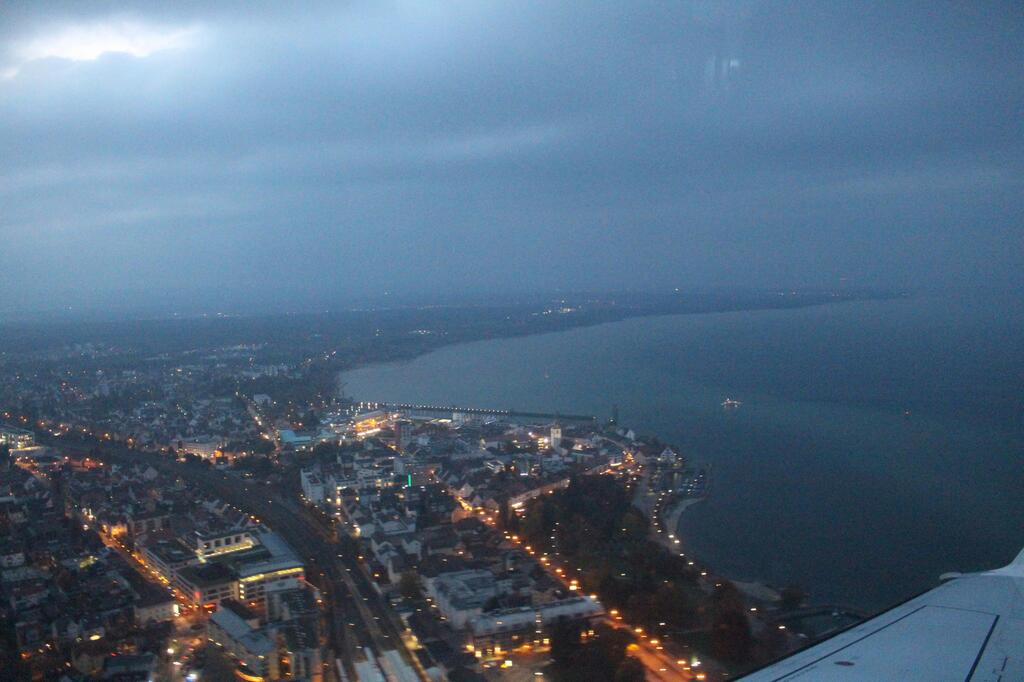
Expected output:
(313, 486)
(511, 627)
(556, 436)
(460, 596)
(282, 569)
(243, 641)
(210, 544)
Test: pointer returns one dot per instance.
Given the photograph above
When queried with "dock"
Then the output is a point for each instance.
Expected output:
(418, 409)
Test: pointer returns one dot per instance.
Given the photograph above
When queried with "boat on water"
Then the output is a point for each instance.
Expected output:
(730, 404)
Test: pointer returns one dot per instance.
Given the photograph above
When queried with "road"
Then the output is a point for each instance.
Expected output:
(658, 664)
(357, 616)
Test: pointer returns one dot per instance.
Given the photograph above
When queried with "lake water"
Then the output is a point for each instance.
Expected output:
(820, 479)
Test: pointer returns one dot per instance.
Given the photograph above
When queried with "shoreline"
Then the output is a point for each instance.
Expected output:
(756, 590)
(622, 315)
(427, 381)
(667, 534)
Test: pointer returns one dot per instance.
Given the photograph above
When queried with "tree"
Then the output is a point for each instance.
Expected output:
(611, 644)
(731, 639)
(5, 457)
(507, 519)
(630, 670)
(601, 658)
(326, 451)
(409, 585)
(565, 644)
(535, 526)
(791, 598)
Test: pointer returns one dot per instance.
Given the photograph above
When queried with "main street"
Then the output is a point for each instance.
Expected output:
(659, 666)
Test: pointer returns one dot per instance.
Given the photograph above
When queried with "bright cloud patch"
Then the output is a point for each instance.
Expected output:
(88, 42)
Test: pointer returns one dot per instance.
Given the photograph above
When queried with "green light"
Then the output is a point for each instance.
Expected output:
(408, 483)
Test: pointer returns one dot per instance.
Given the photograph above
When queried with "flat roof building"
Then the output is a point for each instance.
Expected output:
(207, 584)
(252, 650)
(512, 627)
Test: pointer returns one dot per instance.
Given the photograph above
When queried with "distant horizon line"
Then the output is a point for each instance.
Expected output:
(386, 301)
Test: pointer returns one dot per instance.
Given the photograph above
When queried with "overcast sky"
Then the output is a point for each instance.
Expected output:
(178, 152)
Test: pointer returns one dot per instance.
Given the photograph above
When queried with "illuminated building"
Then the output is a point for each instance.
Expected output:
(155, 606)
(254, 578)
(369, 423)
(208, 584)
(510, 627)
(242, 569)
(166, 558)
(213, 543)
(205, 449)
(144, 521)
(556, 435)
(234, 628)
(299, 653)
(288, 649)
(312, 485)
(16, 438)
(403, 433)
(460, 595)
(281, 569)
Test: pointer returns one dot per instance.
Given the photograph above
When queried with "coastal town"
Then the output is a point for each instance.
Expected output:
(194, 508)
(360, 541)
(511, 341)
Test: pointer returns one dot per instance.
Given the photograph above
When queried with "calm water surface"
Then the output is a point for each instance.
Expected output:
(820, 479)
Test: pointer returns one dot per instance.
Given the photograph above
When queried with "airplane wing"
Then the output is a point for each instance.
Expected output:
(969, 629)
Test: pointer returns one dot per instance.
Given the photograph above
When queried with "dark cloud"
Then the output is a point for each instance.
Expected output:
(320, 155)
